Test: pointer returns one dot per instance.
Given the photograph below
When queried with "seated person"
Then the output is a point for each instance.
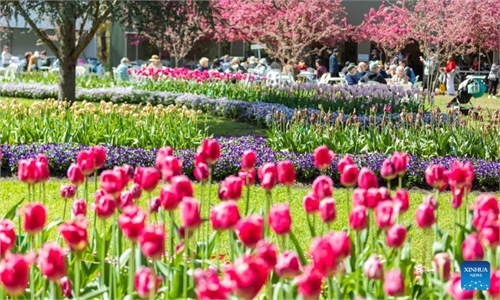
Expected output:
(302, 66)
(320, 69)
(33, 62)
(236, 67)
(122, 69)
(361, 70)
(252, 62)
(203, 64)
(155, 63)
(351, 77)
(400, 76)
(44, 61)
(261, 67)
(373, 74)
(23, 65)
(216, 66)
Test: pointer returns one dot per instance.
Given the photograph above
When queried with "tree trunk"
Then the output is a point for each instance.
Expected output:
(67, 83)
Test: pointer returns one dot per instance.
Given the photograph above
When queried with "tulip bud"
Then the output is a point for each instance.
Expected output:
(79, 207)
(455, 289)
(154, 205)
(66, 287)
(208, 152)
(248, 160)
(442, 263)
(286, 173)
(341, 244)
(358, 219)
(373, 269)
(322, 187)
(279, 218)
(35, 216)
(147, 178)
(136, 191)
(27, 171)
(311, 203)
(171, 167)
(327, 210)
(494, 290)
(490, 235)
(323, 157)
(396, 236)
(394, 284)
(323, 256)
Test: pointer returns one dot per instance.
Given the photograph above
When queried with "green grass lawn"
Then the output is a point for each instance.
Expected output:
(12, 191)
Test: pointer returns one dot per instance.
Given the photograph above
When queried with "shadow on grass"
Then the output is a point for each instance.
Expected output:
(224, 127)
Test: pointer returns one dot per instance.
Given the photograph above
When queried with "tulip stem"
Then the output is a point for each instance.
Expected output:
(131, 271)
(400, 181)
(95, 180)
(152, 291)
(52, 290)
(248, 193)
(116, 278)
(103, 246)
(436, 224)
(231, 242)
(186, 255)
(86, 191)
(171, 238)
(64, 210)
(266, 213)
(77, 277)
(32, 271)
(330, 288)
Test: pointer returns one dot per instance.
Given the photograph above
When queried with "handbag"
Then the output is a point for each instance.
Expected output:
(473, 88)
(492, 76)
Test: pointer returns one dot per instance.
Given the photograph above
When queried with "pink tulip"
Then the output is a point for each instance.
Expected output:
(288, 265)
(310, 203)
(248, 160)
(396, 236)
(400, 161)
(190, 213)
(322, 187)
(367, 179)
(279, 218)
(373, 268)
(327, 210)
(472, 248)
(358, 218)
(394, 284)
(268, 176)
(344, 162)
(323, 157)
(286, 173)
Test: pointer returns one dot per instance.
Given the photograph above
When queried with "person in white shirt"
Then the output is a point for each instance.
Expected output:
(6, 56)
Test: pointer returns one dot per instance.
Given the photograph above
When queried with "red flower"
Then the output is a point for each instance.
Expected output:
(52, 261)
(182, 186)
(322, 187)
(435, 175)
(373, 269)
(367, 179)
(170, 168)
(490, 235)
(267, 252)
(230, 188)
(494, 290)
(394, 284)
(242, 174)
(454, 289)
(100, 156)
(86, 160)
(396, 236)
(279, 218)
(323, 157)
(384, 214)
(42, 168)
(152, 241)
(288, 265)
(105, 206)
(311, 203)
(190, 213)
(457, 195)
(268, 176)
(248, 160)
(471, 248)
(75, 233)
(7, 236)
(286, 173)
(224, 216)
(359, 197)
(66, 287)
(460, 174)
(349, 177)
(430, 200)
(136, 191)
(208, 152)
(388, 170)
(144, 284)
(27, 171)
(168, 198)
(344, 162)
(209, 286)
(249, 230)
(400, 161)
(75, 174)
(35, 216)
(341, 244)
(401, 201)
(132, 221)
(79, 207)
(358, 219)
(147, 178)
(14, 271)
(309, 283)
(485, 211)
(112, 182)
(67, 191)
(201, 172)
(327, 210)
(248, 275)
(154, 205)
(161, 155)
(425, 216)
(323, 256)
(442, 263)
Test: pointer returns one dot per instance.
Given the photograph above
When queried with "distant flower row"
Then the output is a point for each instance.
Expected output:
(185, 74)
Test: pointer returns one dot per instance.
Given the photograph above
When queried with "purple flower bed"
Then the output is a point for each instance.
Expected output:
(61, 155)
(259, 113)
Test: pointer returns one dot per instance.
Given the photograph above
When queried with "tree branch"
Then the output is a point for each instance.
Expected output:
(42, 35)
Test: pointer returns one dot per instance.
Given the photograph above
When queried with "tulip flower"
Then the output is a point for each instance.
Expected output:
(344, 162)
(100, 156)
(323, 256)
(182, 186)
(288, 265)
(472, 248)
(322, 187)
(268, 176)
(154, 205)
(105, 206)
(309, 283)
(27, 171)
(435, 176)
(230, 188)
(395, 236)
(208, 152)
(52, 261)
(373, 268)
(79, 207)
(7, 236)
(341, 244)
(190, 213)
(358, 218)
(442, 263)
(170, 168)
(224, 216)
(66, 287)
(147, 178)
(112, 182)
(425, 216)
(152, 241)
(400, 161)
(136, 191)
(161, 155)
(388, 170)
(247, 175)
(286, 173)
(248, 275)
(144, 284)
(349, 176)
(460, 174)
(201, 172)
(327, 210)
(75, 174)
(485, 211)
(248, 160)
(169, 198)
(132, 221)
(267, 251)
(14, 271)
(35, 216)
(279, 218)
(385, 215)
(42, 168)
(323, 157)
(209, 286)
(367, 179)
(394, 284)
(249, 230)
(490, 235)
(86, 160)
(494, 290)
(67, 191)
(401, 201)
(75, 233)
(311, 203)
(455, 290)
(359, 197)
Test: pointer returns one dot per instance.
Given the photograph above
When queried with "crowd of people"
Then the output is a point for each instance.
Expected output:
(32, 61)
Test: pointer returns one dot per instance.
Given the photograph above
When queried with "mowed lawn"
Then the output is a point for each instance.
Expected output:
(12, 191)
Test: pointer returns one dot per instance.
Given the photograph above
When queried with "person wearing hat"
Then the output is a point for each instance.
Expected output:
(344, 69)
(351, 77)
(334, 63)
(375, 55)
(373, 74)
(493, 80)
(155, 63)
(430, 69)
(262, 67)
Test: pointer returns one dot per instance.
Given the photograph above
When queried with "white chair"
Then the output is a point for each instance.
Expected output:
(325, 78)
(288, 78)
(341, 75)
(418, 84)
(416, 78)
(373, 82)
(273, 78)
(10, 72)
(80, 71)
(406, 86)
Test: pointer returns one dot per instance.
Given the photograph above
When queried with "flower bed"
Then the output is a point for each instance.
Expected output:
(61, 155)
